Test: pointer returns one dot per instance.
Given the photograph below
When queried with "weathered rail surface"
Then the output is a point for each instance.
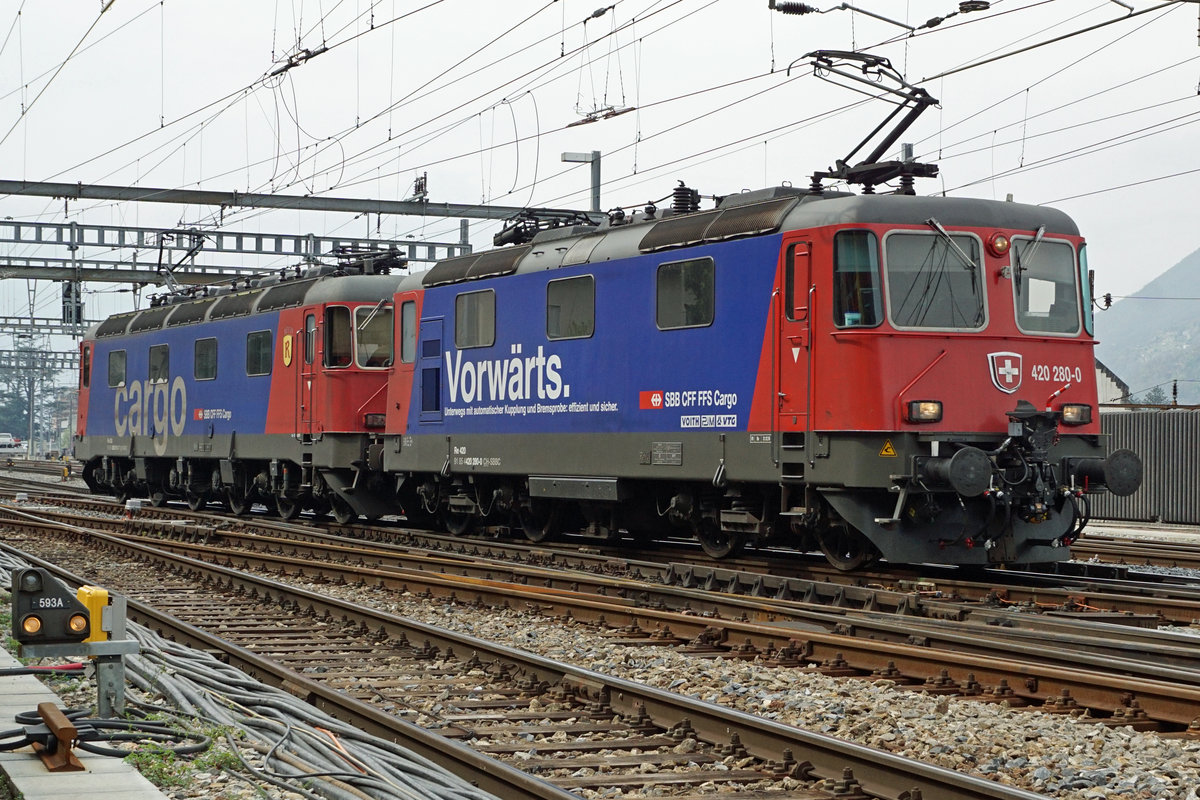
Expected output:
(339, 654)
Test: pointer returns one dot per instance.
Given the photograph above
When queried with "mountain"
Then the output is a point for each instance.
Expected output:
(1151, 342)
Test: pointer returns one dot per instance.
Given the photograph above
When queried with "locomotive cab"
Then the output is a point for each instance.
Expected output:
(952, 387)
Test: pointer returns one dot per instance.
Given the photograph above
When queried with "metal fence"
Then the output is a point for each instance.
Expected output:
(1168, 440)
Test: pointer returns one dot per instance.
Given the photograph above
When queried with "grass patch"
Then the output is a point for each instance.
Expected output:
(166, 769)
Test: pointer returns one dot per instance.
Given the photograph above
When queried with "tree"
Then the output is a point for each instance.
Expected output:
(1155, 396)
(14, 403)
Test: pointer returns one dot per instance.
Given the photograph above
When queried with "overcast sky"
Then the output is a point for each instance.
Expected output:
(482, 96)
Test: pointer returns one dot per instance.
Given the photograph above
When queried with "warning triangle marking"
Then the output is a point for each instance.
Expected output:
(888, 451)
(796, 354)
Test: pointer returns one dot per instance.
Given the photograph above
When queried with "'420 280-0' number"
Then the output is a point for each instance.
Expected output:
(1056, 373)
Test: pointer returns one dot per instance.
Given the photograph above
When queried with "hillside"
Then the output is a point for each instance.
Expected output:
(1148, 342)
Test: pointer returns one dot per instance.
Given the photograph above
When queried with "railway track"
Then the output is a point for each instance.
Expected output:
(1054, 662)
(1112, 550)
(457, 699)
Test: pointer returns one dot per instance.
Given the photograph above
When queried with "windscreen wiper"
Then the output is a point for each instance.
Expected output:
(968, 262)
(1017, 267)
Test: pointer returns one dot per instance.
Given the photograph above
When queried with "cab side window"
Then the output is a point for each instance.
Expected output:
(85, 367)
(310, 338)
(338, 337)
(856, 298)
(408, 332)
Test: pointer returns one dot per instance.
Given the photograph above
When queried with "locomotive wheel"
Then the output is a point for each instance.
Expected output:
(458, 524)
(847, 549)
(342, 511)
(238, 504)
(320, 508)
(539, 520)
(289, 508)
(158, 498)
(718, 543)
(196, 501)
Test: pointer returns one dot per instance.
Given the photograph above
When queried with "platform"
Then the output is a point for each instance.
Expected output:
(102, 779)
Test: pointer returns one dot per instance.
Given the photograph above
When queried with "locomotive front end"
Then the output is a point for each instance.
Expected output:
(1020, 487)
(968, 433)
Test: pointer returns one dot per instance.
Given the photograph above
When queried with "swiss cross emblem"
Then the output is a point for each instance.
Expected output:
(1006, 371)
(651, 400)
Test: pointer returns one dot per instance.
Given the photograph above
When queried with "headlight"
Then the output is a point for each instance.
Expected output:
(998, 243)
(1076, 414)
(925, 411)
(374, 420)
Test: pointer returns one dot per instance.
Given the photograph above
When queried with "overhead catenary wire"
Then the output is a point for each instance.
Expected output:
(406, 166)
(25, 111)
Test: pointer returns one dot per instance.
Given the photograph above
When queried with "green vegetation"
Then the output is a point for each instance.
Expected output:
(165, 769)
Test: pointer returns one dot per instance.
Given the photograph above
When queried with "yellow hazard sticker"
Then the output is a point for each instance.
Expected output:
(887, 450)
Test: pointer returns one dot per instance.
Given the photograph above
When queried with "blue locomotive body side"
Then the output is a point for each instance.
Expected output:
(626, 376)
(181, 404)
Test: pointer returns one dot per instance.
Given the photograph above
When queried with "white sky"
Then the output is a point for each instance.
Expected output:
(173, 94)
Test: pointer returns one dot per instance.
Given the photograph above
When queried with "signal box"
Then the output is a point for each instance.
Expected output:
(46, 612)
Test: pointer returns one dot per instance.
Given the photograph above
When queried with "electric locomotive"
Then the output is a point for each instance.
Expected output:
(877, 376)
(256, 391)
(897, 376)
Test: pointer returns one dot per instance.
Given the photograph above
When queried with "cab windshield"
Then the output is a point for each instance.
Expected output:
(934, 281)
(1045, 286)
(374, 335)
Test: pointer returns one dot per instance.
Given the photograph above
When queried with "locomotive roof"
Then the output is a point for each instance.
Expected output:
(267, 296)
(742, 215)
(737, 216)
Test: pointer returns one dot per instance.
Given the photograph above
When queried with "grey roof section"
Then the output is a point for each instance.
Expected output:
(275, 296)
(551, 250)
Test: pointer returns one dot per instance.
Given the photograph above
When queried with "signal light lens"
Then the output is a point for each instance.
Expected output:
(77, 623)
(998, 243)
(1076, 414)
(32, 625)
(925, 411)
(374, 420)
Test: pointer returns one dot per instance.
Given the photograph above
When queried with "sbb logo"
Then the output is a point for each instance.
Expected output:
(651, 400)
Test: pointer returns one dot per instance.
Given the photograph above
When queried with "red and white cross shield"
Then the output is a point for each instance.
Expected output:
(1006, 371)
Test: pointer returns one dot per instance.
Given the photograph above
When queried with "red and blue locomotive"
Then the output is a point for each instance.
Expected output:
(875, 375)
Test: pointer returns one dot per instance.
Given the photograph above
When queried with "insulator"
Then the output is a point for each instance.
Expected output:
(684, 200)
(788, 7)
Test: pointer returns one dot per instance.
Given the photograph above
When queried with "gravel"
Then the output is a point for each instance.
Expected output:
(1074, 758)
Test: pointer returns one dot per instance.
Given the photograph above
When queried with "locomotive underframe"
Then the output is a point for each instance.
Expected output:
(285, 473)
(857, 496)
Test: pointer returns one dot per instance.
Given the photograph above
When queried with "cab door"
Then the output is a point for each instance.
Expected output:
(431, 369)
(307, 374)
(400, 381)
(795, 340)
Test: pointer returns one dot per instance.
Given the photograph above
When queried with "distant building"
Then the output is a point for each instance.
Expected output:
(1110, 388)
